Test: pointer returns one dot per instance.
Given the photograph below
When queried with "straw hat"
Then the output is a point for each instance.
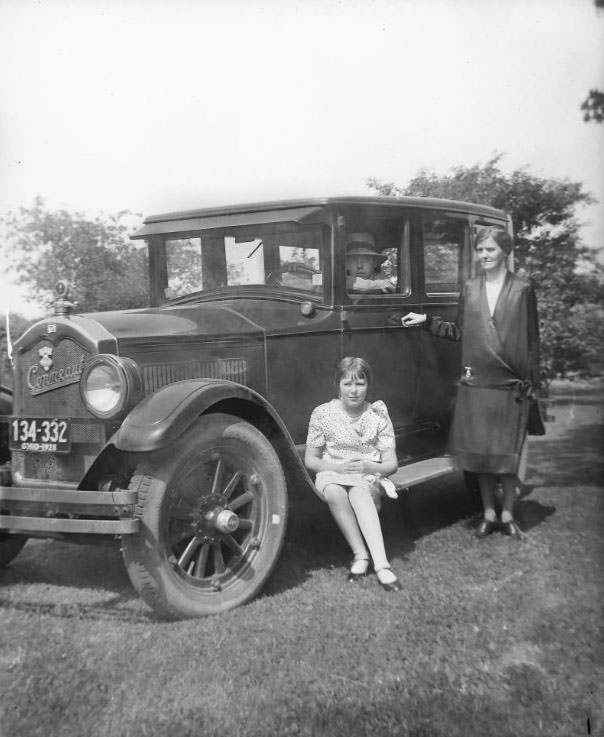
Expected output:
(363, 244)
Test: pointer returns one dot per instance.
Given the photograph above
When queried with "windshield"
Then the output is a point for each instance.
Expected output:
(286, 256)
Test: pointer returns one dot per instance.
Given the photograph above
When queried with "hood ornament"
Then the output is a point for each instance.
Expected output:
(63, 306)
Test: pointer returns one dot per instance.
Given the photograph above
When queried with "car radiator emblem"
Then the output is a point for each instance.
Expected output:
(46, 375)
(45, 354)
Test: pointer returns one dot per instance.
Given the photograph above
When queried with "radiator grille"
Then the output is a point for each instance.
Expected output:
(54, 390)
(160, 374)
(87, 432)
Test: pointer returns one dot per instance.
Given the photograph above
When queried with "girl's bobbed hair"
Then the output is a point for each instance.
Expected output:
(357, 367)
(501, 237)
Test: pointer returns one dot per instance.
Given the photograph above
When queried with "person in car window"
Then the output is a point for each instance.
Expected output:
(498, 326)
(351, 449)
(363, 265)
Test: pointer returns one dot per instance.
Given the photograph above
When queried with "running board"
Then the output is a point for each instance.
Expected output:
(420, 471)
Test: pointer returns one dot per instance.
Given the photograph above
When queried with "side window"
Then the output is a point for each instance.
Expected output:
(378, 262)
(443, 248)
(300, 268)
(390, 265)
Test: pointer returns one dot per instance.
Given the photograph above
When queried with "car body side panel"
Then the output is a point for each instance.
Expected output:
(301, 362)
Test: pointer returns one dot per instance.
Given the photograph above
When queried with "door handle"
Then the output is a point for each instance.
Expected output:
(394, 319)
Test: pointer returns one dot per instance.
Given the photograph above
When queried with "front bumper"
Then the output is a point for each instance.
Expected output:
(29, 510)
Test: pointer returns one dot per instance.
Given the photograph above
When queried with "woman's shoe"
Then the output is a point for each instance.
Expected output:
(511, 528)
(388, 581)
(358, 569)
(486, 527)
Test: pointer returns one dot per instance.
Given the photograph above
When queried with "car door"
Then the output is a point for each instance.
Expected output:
(444, 257)
(372, 328)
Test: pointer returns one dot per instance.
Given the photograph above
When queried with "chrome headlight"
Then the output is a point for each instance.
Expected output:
(110, 385)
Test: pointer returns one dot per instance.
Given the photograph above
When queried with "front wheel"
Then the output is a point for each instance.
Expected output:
(213, 508)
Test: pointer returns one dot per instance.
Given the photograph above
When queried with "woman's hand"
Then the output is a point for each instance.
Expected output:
(413, 318)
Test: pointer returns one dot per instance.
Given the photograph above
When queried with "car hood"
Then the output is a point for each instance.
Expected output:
(199, 320)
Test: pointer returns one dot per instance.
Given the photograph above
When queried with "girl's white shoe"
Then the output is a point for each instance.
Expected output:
(387, 485)
(388, 581)
(359, 568)
(389, 488)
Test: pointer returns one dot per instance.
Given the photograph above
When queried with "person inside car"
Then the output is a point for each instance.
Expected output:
(363, 264)
(351, 448)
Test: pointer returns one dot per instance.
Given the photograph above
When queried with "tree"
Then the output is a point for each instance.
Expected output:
(547, 249)
(17, 325)
(593, 105)
(94, 255)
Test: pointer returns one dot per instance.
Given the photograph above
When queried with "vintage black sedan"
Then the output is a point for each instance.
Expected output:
(177, 429)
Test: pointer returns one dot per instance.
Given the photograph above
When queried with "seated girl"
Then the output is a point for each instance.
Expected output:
(351, 448)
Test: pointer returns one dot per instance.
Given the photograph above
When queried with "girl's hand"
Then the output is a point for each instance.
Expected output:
(413, 318)
(353, 465)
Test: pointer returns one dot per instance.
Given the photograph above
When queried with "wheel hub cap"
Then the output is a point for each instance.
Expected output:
(223, 520)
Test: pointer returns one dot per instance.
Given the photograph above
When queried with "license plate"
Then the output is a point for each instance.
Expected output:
(40, 434)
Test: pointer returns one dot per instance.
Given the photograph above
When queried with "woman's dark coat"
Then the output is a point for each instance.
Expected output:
(500, 360)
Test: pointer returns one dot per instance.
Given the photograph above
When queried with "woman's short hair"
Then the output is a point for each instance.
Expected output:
(501, 237)
(358, 368)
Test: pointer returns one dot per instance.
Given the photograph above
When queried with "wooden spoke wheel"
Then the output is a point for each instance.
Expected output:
(213, 508)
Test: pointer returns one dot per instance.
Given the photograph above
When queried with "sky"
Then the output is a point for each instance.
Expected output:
(154, 106)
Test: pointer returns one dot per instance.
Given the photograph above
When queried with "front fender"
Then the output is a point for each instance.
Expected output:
(164, 416)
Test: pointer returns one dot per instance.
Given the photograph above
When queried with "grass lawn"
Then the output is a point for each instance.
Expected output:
(490, 637)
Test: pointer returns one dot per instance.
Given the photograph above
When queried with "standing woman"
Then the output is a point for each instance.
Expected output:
(498, 326)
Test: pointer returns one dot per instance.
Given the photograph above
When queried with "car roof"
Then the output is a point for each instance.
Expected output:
(297, 209)
(428, 202)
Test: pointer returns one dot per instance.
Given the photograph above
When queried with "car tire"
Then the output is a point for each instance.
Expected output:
(182, 562)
